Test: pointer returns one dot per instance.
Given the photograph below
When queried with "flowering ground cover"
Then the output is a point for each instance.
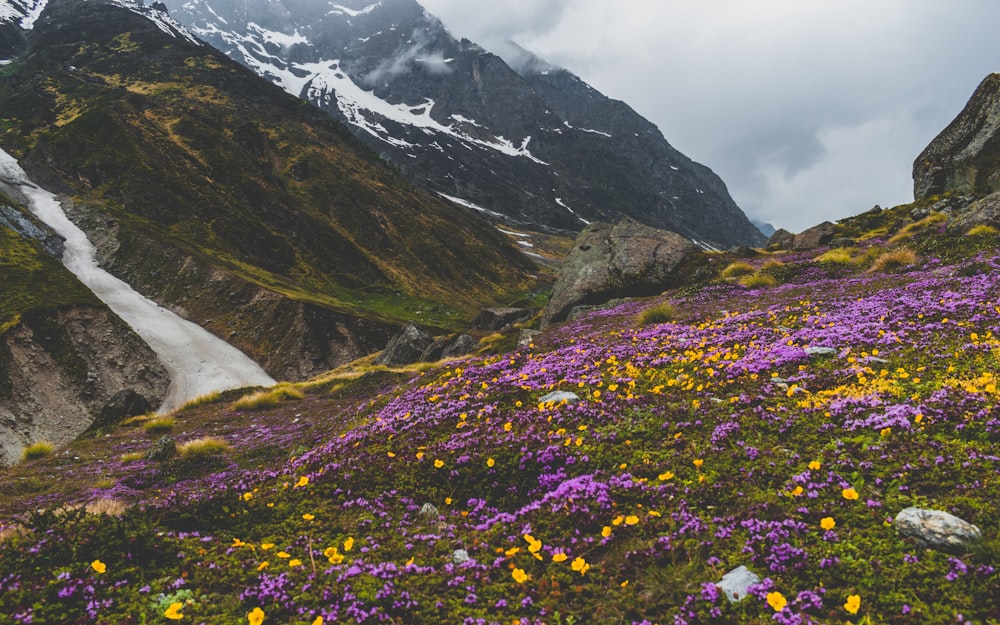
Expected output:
(460, 496)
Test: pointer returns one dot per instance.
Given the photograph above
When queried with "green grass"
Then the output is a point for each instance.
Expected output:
(836, 256)
(159, 426)
(758, 280)
(267, 398)
(737, 269)
(660, 313)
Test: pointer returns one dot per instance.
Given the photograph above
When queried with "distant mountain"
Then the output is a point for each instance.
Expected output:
(765, 228)
(965, 156)
(233, 203)
(533, 143)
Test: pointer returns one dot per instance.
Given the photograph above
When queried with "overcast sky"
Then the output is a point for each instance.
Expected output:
(808, 109)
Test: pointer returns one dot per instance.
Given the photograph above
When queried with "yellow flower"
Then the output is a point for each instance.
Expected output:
(174, 611)
(814, 465)
(303, 481)
(853, 604)
(827, 523)
(797, 491)
(631, 519)
(263, 565)
(519, 576)
(507, 426)
(283, 554)
(850, 493)
(579, 564)
(98, 566)
(447, 501)
(247, 496)
(513, 551)
(558, 557)
(698, 462)
(318, 621)
(617, 520)
(294, 563)
(490, 462)
(420, 455)
(666, 475)
(777, 601)
(255, 616)
(606, 531)
(308, 517)
(438, 463)
(266, 546)
(349, 544)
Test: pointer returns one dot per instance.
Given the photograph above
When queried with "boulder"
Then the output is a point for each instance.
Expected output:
(936, 529)
(406, 347)
(964, 157)
(781, 240)
(449, 347)
(559, 396)
(983, 212)
(817, 353)
(820, 234)
(164, 448)
(627, 259)
(121, 406)
(736, 583)
(500, 318)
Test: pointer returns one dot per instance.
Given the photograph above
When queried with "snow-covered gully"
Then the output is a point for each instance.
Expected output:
(198, 361)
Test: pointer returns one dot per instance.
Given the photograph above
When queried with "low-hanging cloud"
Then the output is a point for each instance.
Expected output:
(808, 110)
(401, 62)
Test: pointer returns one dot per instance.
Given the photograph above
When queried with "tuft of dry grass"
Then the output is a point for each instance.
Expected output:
(893, 260)
(909, 230)
(661, 313)
(135, 456)
(142, 418)
(159, 426)
(737, 269)
(100, 507)
(982, 230)
(836, 256)
(38, 450)
(204, 447)
(201, 400)
(758, 280)
(268, 398)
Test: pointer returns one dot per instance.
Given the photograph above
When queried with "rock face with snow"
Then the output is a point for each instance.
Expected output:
(517, 138)
(628, 259)
(965, 156)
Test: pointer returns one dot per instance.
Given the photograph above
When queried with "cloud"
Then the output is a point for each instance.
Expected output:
(771, 94)
(402, 61)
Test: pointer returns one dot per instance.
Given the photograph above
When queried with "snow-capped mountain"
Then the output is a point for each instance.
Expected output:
(530, 142)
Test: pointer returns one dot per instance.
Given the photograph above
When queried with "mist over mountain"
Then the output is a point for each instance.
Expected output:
(531, 142)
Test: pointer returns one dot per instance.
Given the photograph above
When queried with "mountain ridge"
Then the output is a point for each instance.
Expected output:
(461, 120)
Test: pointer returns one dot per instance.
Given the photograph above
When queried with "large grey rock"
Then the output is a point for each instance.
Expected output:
(121, 406)
(820, 234)
(406, 347)
(460, 346)
(936, 529)
(627, 259)
(164, 448)
(781, 239)
(983, 212)
(500, 318)
(736, 583)
(964, 157)
(816, 353)
(559, 396)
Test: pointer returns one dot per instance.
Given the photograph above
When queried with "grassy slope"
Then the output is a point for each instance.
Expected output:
(179, 143)
(684, 459)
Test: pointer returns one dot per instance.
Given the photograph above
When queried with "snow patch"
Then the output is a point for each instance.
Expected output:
(198, 361)
(563, 204)
(28, 21)
(468, 204)
(337, 8)
(163, 21)
(278, 38)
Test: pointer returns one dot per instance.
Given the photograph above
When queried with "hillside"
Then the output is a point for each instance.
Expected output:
(233, 203)
(779, 420)
(519, 138)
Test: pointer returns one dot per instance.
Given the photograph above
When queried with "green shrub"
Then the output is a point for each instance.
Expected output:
(204, 447)
(38, 450)
(159, 426)
(737, 269)
(661, 313)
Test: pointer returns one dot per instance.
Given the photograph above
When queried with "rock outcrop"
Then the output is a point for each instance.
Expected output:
(937, 529)
(406, 347)
(58, 368)
(627, 259)
(983, 212)
(965, 156)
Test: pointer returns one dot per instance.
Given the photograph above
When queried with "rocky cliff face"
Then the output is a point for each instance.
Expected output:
(58, 368)
(965, 156)
(534, 144)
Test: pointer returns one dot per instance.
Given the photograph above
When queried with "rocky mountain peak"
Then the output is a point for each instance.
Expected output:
(514, 137)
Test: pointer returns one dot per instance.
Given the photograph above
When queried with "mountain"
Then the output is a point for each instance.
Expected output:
(965, 157)
(231, 202)
(532, 142)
